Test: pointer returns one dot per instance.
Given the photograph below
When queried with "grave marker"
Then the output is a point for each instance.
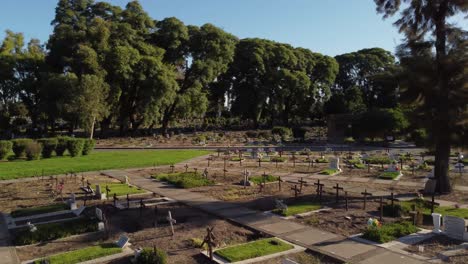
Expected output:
(301, 182)
(335, 164)
(295, 190)
(99, 214)
(123, 241)
(171, 221)
(209, 241)
(454, 227)
(337, 188)
(365, 193)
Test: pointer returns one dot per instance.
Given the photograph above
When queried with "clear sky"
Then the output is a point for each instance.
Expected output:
(330, 27)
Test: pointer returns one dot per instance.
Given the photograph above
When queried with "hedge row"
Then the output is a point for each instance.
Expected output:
(45, 147)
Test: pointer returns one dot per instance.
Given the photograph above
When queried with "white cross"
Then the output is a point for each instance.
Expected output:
(171, 221)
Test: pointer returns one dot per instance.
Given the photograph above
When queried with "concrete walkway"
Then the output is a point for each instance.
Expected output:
(7, 252)
(336, 246)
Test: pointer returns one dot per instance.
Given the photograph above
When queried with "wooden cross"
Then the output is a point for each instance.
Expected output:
(414, 214)
(365, 193)
(82, 180)
(107, 192)
(186, 167)
(142, 206)
(319, 186)
(225, 162)
(279, 183)
(171, 221)
(259, 162)
(337, 188)
(115, 200)
(346, 200)
(209, 241)
(296, 191)
(433, 203)
(128, 202)
(246, 178)
(392, 200)
(381, 208)
(208, 159)
(301, 182)
(172, 168)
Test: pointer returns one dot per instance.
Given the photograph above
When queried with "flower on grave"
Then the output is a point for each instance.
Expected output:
(371, 222)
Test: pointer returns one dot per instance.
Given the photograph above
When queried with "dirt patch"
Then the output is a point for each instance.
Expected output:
(436, 245)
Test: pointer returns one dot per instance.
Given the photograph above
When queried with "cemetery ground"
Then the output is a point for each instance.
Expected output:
(222, 180)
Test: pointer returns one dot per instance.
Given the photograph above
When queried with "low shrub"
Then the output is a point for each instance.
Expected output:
(320, 160)
(389, 232)
(197, 243)
(261, 179)
(389, 175)
(152, 256)
(52, 231)
(284, 132)
(48, 146)
(5, 148)
(19, 147)
(33, 150)
(62, 145)
(329, 171)
(378, 160)
(278, 159)
(88, 146)
(75, 146)
(420, 137)
(236, 159)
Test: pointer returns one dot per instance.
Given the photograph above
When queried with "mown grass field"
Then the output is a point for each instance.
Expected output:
(253, 249)
(83, 254)
(95, 161)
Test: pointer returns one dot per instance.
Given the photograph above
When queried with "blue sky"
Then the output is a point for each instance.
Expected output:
(330, 27)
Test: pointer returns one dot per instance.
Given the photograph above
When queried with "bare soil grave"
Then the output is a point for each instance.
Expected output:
(437, 244)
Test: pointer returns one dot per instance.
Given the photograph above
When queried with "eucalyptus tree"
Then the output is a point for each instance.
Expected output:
(435, 53)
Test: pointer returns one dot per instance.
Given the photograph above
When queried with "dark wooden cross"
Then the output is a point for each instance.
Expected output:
(115, 200)
(346, 200)
(301, 182)
(365, 193)
(318, 184)
(225, 162)
(414, 214)
(172, 168)
(186, 167)
(208, 159)
(259, 162)
(128, 202)
(296, 190)
(107, 192)
(82, 180)
(142, 206)
(279, 183)
(209, 241)
(392, 201)
(381, 208)
(433, 203)
(337, 188)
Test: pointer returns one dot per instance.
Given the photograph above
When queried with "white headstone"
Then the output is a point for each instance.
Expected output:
(101, 226)
(126, 180)
(73, 206)
(99, 214)
(123, 241)
(436, 221)
(335, 164)
(454, 227)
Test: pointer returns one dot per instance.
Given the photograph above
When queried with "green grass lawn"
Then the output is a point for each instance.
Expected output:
(329, 171)
(83, 254)
(389, 175)
(259, 179)
(254, 249)
(389, 232)
(95, 161)
(39, 210)
(298, 208)
(184, 179)
(121, 189)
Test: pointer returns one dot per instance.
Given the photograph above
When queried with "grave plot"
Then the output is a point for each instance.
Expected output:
(443, 247)
(424, 207)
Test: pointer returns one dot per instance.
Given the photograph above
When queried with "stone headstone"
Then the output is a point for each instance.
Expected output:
(454, 227)
(101, 226)
(280, 205)
(459, 167)
(430, 186)
(335, 164)
(99, 214)
(436, 221)
(123, 241)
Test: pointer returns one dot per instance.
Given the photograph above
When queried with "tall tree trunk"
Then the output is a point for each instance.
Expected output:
(442, 122)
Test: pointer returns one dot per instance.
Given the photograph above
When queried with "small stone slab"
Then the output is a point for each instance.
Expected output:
(388, 257)
(347, 248)
(311, 236)
(281, 227)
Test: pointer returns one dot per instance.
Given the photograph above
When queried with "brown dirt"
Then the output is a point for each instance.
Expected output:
(436, 245)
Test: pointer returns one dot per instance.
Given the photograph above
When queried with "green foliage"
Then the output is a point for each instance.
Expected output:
(96, 161)
(284, 132)
(184, 180)
(320, 160)
(420, 137)
(389, 232)
(88, 146)
(75, 146)
(298, 208)
(83, 254)
(52, 231)
(197, 243)
(329, 171)
(403, 208)
(48, 146)
(278, 159)
(19, 147)
(62, 145)
(389, 175)
(39, 210)
(236, 159)
(253, 249)
(378, 160)
(261, 179)
(5, 148)
(33, 150)
(120, 189)
(150, 256)
(380, 121)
